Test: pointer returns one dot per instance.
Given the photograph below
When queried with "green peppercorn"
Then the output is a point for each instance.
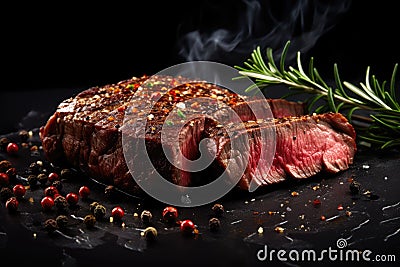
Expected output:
(62, 221)
(89, 221)
(99, 212)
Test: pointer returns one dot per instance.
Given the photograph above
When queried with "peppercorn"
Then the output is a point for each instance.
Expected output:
(99, 212)
(355, 187)
(57, 184)
(150, 233)
(4, 179)
(84, 192)
(34, 168)
(214, 224)
(5, 165)
(6, 193)
(66, 174)
(47, 203)
(12, 204)
(218, 209)
(42, 178)
(50, 225)
(89, 221)
(53, 177)
(170, 214)
(19, 190)
(12, 148)
(72, 199)
(32, 180)
(110, 191)
(146, 216)
(50, 191)
(117, 213)
(23, 135)
(187, 227)
(93, 205)
(4, 141)
(12, 173)
(62, 221)
(61, 203)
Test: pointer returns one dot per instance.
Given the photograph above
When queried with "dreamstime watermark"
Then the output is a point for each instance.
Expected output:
(156, 161)
(340, 253)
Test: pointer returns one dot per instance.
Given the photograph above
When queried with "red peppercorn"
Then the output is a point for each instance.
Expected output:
(316, 202)
(12, 204)
(84, 192)
(12, 148)
(340, 207)
(53, 177)
(187, 227)
(50, 191)
(72, 198)
(47, 203)
(4, 179)
(170, 214)
(117, 212)
(19, 190)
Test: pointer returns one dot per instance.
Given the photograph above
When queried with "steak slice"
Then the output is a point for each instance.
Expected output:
(305, 146)
(85, 132)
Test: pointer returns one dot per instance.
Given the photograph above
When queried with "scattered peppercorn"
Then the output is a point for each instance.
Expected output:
(187, 227)
(218, 209)
(89, 220)
(67, 174)
(12, 148)
(72, 199)
(47, 203)
(340, 207)
(42, 178)
(6, 193)
(19, 190)
(150, 233)
(117, 213)
(355, 187)
(4, 179)
(316, 202)
(84, 192)
(170, 214)
(32, 180)
(93, 205)
(53, 177)
(23, 135)
(12, 204)
(5, 165)
(57, 184)
(99, 212)
(62, 221)
(146, 216)
(214, 224)
(110, 191)
(34, 168)
(61, 203)
(4, 141)
(50, 191)
(50, 225)
(12, 173)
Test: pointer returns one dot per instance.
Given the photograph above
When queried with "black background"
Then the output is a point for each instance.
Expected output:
(58, 50)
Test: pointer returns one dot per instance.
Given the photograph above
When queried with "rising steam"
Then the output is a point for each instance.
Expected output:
(261, 23)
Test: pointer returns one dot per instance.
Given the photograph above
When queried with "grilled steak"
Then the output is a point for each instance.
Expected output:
(305, 146)
(86, 131)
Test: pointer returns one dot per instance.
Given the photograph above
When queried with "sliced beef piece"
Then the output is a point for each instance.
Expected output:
(305, 146)
(85, 132)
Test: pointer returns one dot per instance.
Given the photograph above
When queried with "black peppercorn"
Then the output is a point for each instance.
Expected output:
(89, 221)
(34, 168)
(42, 178)
(214, 224)
(66, 174)
(93, 205)
(4, 141)
(355, 187)
(50, 225)
(61, 203)
(146, 216)
(62, 221)
(110, 191)
(57, 184)
(5, 165)
(6, 193)
(12, 173)
(23, 135)
(218, 209)
(150, 233)
(99, 212)
(32, 180)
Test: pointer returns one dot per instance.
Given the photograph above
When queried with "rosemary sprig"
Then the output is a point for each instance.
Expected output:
(380, 127)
